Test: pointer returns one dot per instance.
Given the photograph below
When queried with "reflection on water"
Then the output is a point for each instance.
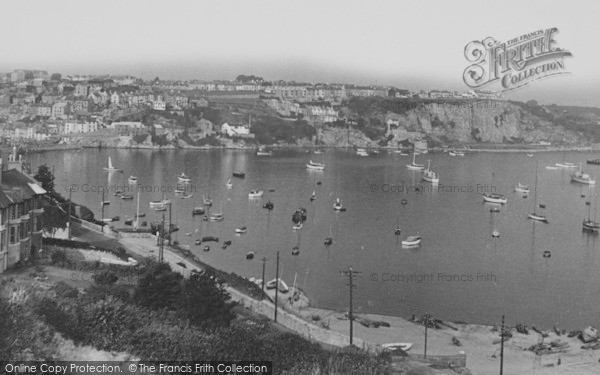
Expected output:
(455, 224)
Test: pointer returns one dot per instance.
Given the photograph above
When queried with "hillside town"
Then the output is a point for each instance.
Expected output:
(36, 106)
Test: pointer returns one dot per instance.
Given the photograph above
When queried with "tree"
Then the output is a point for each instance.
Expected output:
(158, 287)
(206, 303)
(54, 218)
(45, 176)
(56, 77)
(106, 278)
(29, 75)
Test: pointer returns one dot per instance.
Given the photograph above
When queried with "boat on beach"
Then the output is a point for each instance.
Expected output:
(404, 346)
(283, 288)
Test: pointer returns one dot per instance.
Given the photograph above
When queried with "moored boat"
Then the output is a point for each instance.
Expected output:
(520, 188)
(361, 152)
(429, 175)
(255, 194)
(184, 178)
(411, 241)
(239, 174)
(273, 284)
(494, 198)
(132, 180)
(594, 161)
(414, 165)
(582, 178)
(404, 346)
(315, 165)
(241, 230)
(198, 211)
(337, 205)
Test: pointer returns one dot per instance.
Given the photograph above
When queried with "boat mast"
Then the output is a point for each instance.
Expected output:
(137, 211)
(535, 188)
(102, 205)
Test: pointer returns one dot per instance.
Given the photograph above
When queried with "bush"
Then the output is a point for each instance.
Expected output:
(59, 257)
(106, 278)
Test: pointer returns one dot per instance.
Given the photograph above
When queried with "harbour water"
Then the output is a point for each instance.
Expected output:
(460, 272)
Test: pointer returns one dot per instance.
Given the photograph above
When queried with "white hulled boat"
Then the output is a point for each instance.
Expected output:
(361, 152)
(411, 241)
(184, 178)
(337, 205)
(255, 194)
(110, 167)
(315, 165)
(520, 188)
(429, 175)
(494, 197)
(414, 165)
(582, 178)
(132, 180)
(535, 215)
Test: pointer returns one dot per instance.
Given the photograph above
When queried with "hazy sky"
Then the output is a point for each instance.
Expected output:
(409, 44)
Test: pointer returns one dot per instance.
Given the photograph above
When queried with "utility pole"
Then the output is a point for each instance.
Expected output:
(502, 346)
(426, 324)
(276, 285)
(170, 221)
(162, 239)
(69, 212)
(264, 260)
(350, 273)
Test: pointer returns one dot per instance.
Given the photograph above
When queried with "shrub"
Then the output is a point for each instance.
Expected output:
(106, 278)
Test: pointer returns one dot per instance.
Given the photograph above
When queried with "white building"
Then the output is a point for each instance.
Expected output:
(235, 131)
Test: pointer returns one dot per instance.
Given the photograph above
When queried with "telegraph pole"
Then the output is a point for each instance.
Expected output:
(264, 260)
(276, 285)
(502, 346)
(426, 324)
(69, 213)
(350, 273)
(162, 239)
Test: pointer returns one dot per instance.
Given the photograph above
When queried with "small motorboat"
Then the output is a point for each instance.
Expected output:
(228, 242)
(271, 190)
(241, 230)
(398, 231)
(591, 225)
(269, 205)
(547, 254)
(128, 222)
(198, 211)
(495, 234)
(184, 178)
(132, 180)
(582, 178)
(264, 152)
(337, 205)
(250, 255)
(118, 192)
(187, 196)
(295, 250)
(217, 217)
(328, 241)
(404, 346)
(206, 248)
(255, 194)
(495, 209)
(104, 203)
(494, 198)
(594, 161)
(297, 226)
(412, 241)
(198, 242)
(315, 165)
(127, 196)
(239, 174)
(361, 152)
(520, 188)
(210, 238)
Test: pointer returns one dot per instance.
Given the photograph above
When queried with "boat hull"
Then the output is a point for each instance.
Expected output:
(498, 199)
(415, 167)
(537, 217)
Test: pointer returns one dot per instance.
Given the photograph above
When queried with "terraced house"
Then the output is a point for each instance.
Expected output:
(20, 213)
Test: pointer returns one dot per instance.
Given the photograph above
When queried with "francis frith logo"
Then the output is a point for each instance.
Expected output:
(515, 63)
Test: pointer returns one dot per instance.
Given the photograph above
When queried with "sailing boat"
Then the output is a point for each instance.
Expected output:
(494, 197)
(534, 215)
(589, 224)
(314, 194)
(429, 175)
(110, 167)
(219, 215)
(413, 165)
(564, 164)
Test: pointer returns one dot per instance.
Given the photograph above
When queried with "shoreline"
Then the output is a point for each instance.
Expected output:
(470, 148)
(480, 343)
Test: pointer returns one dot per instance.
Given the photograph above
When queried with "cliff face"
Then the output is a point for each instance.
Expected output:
(478, 121)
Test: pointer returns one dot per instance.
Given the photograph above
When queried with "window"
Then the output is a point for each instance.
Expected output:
(13, 235)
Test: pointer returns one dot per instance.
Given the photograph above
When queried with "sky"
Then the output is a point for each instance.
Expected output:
(408, 44)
